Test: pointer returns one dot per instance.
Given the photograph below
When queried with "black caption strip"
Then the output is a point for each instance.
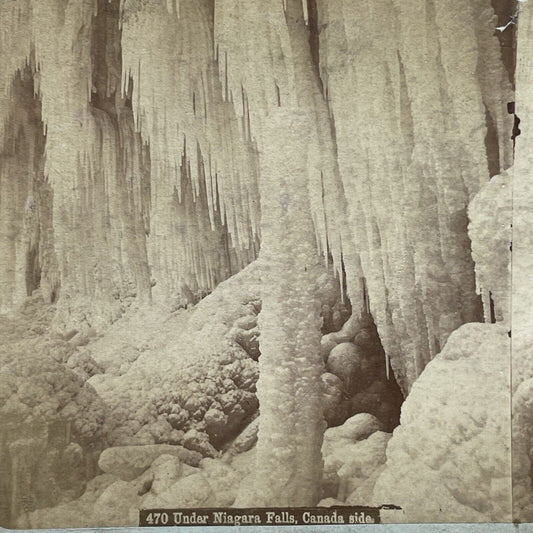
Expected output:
(259, 517)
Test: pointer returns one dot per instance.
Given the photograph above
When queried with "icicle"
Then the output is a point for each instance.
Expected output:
(490, 215)
(21, 186)
(102, 261)
(197, 148)
(408, 181)
(305, 11)
(273, 84)
(494, 81)
(15, 47)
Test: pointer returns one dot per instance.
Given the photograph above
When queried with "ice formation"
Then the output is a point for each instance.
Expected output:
(53, 421)
(165, 478)
(197, 369)
(195, 378)
(490, 214)
(27, 258)
(150, 150)
(137, 232)
(91, 244)
(412, 155)
(180, 208)
(288, 121)
(203, 171)
(453, 441)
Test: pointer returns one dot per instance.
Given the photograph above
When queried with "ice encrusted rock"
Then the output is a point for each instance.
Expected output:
(344, 361)
(80, 512)
(187, 370)
(168, 483)
(117, 506)
(164, 472)
(327, 343)
(353, 454)
(190, 491)
(244, 462)
(223, 479)
(450, 456)
(362, 467)
(356, 428)
(214, 483)
(333, 392)
(522, 449)
(246, 439)
(128, 462)
(348, 330)
(199, 442)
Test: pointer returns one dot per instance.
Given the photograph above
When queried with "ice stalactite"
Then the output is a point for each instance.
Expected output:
(273, 70)
(64, 81)
(15, 45)
(20, 154)
(490, 214)
(270, 78)
(490, 210)
(496, 87)
(204, 200)
(94, 167)
(522, 268)
(25, 225)
(411, 155)
(358, 152)
(125, 197)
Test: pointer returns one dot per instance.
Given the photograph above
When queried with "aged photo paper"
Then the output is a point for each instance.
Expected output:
(265, 262)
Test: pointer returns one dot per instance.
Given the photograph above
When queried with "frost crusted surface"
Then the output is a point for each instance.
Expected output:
(454, 434)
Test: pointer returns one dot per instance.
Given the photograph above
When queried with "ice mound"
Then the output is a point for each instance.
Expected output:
(354, 454)
(195, 376)
(167, 481)
(450, 456)
(188, 378)
(35, 383)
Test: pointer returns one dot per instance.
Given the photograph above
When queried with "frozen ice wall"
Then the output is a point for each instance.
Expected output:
(412, 154)
(128, 210)
(25, 261)
(163, 116)
(204, 200)
(86, 195)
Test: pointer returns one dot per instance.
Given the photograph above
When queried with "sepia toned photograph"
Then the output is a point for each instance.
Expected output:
(265, 262)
